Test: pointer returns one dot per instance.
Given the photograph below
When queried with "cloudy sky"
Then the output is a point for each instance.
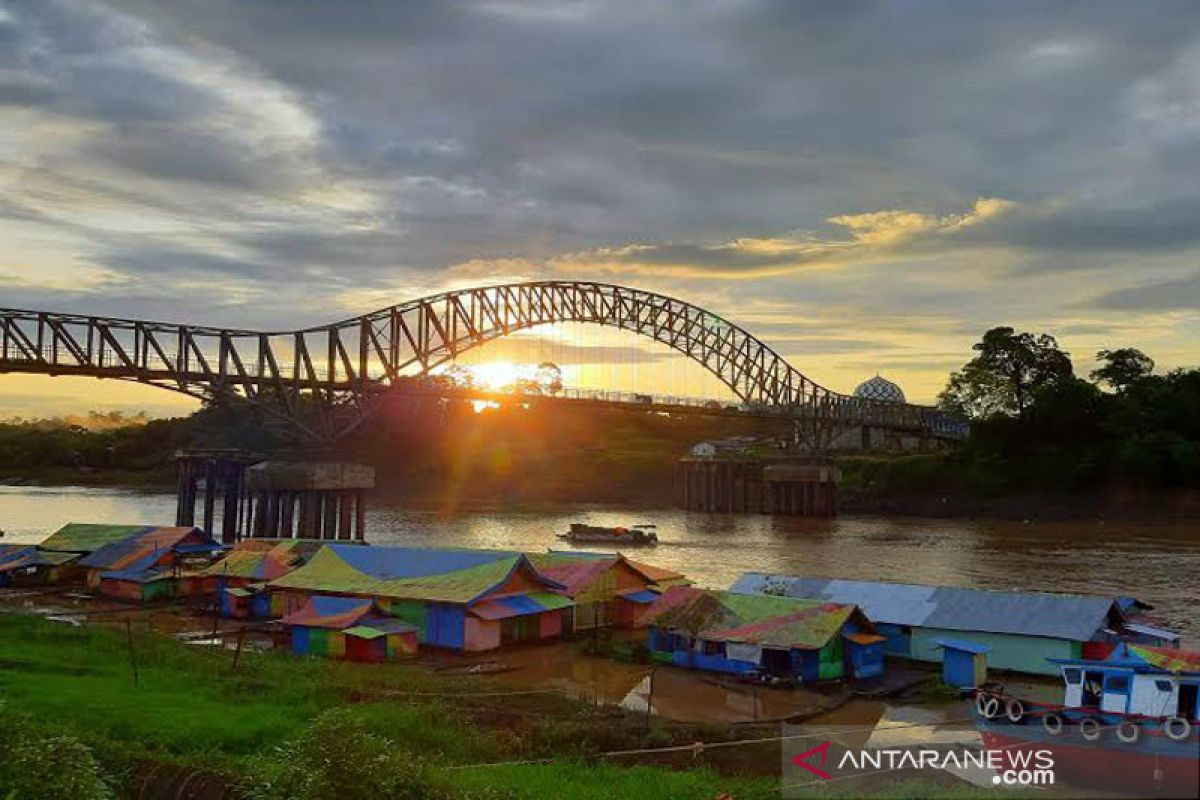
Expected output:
(866, 185)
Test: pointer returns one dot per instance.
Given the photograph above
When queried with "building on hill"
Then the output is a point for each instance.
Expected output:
(238, 582)
(762, 636)
(607, 589)
(457, 599)
(349, 628)
(1019, 629)
(150, 564)
(26, 565)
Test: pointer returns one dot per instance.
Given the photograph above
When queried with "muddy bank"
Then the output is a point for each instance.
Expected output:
(1113, 503)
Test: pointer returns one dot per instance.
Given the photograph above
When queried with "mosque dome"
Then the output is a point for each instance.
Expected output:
(878, 388)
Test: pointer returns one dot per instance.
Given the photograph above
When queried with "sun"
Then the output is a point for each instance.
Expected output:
(496, 375)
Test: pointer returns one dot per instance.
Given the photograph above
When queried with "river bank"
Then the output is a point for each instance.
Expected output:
(152, 711)
(1116, 503)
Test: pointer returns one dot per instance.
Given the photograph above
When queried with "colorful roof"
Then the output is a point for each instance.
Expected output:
(337, 613)
(139, 552)
(80, 537)
(519, 605)
(777, 622)
(1056, 616)
(446, 576)
(374, 627)
(1166, 658)
(576, 571)
(251, 560)
(23, 556)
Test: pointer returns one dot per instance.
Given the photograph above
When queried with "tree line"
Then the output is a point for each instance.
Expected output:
(1035, 423)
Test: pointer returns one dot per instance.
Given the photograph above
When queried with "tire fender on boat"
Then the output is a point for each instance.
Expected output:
(1053, 723)
(1090, 728)
(1014, 709)
(1129, 732)
(1177, 728)
(987, 705)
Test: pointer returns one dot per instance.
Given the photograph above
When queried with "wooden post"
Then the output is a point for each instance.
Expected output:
(210, 494)
(360, 514)
(237, 653)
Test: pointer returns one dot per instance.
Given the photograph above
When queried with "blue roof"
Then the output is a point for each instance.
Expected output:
(642, 596)
(1057, 616)
(386, 563)
(328, 606)
(960, 644)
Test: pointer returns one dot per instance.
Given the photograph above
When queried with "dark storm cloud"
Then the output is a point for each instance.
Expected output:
(1163, 296)
(363, 147)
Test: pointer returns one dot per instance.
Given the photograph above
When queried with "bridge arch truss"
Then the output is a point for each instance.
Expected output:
(326, 379)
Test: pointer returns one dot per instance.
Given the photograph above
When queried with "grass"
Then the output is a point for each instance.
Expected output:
(190, 708)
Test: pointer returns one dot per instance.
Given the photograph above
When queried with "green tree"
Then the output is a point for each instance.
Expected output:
(1007, 375)
(1122, 368)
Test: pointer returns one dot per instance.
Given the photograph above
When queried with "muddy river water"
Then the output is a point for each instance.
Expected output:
(1159, 563)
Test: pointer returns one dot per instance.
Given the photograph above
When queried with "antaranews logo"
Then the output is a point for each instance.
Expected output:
(807, 764)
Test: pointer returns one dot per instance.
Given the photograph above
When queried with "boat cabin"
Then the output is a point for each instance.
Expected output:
(1135, 679)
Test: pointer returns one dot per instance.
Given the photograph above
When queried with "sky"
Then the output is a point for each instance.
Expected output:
(867, 186)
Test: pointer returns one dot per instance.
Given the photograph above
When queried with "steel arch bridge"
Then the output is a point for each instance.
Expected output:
(328, 379)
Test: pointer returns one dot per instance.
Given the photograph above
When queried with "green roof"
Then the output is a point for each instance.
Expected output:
(79, 537)
(766, 620)
(328, 572)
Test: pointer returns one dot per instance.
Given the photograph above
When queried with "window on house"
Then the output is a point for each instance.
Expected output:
(1163, 686)
(714, 648)
(1071, 675)
(1118, 684)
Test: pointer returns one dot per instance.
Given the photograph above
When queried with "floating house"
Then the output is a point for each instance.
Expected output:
(84, 538)
(458, 599)
(349, 628)
(238, 582)
(758, 635)
(1020, 629)
(606, 589)
(147, 565)
(26, 565)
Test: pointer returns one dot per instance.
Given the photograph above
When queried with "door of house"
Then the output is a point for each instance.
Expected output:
(1187, 701)
(1093, 689)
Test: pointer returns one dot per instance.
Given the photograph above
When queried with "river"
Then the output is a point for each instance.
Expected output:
(1156, 562)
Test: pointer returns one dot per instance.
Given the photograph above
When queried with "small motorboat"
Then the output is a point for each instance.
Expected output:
(634, 534)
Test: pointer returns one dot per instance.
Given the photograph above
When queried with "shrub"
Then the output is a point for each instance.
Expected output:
(337, 756)
(37, 765)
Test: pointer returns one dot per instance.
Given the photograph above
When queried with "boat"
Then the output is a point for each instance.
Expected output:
(1127, 723)
(635, 534)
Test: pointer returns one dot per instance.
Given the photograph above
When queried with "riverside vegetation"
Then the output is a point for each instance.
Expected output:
(1036, 428)
(78, 724)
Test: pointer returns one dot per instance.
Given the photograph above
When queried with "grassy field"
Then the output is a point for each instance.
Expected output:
(280, 726)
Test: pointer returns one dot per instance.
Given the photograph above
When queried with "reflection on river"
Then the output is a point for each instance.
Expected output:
(1159, 563)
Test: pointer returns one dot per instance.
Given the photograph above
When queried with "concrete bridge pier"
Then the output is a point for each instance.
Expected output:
(309, 499)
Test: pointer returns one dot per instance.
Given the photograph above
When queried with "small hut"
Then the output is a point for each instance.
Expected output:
(350, 628)
(964, 664)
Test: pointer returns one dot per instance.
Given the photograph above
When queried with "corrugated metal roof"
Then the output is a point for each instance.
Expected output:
(374, 627)
(259, 564)
(1167, 658)
(779, 622)
(80, 537)
(1058, 616)
(330, 612)
(519, 605)
(331, 570)
(140, 550)
(20, 556)
(392, 563)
